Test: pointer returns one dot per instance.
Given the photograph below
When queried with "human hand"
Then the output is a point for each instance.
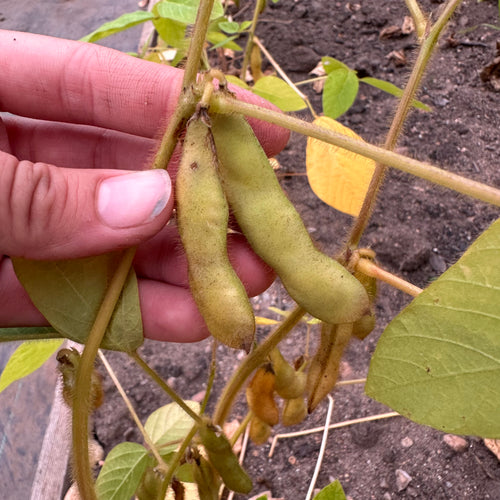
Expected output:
(76, 118)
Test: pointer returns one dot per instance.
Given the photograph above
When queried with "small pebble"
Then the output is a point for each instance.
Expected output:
(407, 442)
(384, 484)
(402, 479)
(456, 443)
(387, 496)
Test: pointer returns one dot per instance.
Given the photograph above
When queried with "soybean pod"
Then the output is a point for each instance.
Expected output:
(222, 458)
(202, 215)
(325, 365)
(274, 229)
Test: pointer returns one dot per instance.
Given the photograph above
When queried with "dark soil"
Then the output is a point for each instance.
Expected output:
(418, 230)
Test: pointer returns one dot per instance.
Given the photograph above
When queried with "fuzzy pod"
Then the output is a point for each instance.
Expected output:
(202, 216)
(222, 458)
(150, 485)
(259, 431)
(205, 478)
(324, 366)
(274, 229)
(68, 362)
(364, 326)
(260, 395)
(294, 411)
(290, 384)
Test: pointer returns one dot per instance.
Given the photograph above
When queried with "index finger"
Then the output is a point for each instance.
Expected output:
(68, 81)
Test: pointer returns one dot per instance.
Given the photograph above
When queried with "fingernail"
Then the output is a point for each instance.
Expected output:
(130, 200)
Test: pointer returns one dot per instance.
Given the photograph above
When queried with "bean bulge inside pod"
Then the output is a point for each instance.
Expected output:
(274, 229)
(202, 217)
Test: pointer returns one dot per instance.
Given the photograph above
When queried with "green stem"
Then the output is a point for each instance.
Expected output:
(197, 43)
(252, 362)
(149, 443)
(259, 7)
(404, 106)
(211, 377)
(185, 108)
(173, 395)
(81, 401)
(176, 461)
(418, 17)
(223, 104)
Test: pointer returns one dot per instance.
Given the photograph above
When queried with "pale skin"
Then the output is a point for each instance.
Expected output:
(73, 116)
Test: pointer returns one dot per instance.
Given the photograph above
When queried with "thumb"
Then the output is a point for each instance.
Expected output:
(54, 213)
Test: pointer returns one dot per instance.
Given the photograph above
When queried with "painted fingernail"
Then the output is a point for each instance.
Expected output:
(130, 200)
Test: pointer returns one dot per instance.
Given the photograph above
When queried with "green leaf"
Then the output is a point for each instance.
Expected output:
(390, 88)
(339, 92)
(333, 491)
(237, 81)
(122, 471)
(122, 23)
(438, 361)
(218, 39)
(27, 358)
(330, 64)
(245, 25)
(170, 424)
(229, 27)
(278, 92)
(70, 292)
(171, 32)
(28, 333)
(185, 11)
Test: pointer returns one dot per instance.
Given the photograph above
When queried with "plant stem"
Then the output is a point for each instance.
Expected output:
(259, 7)
(402, 111)
(418, 17)
(211, 377)
(251, 362)
(184, 109)
(367, 267)
(241, 428)
(173, 395)
(162, 465)
(223, 104)
(81, 401)
(351, 382)
(176, 461)
(197, 43)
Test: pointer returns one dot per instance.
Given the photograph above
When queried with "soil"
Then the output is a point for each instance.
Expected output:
(418, 230)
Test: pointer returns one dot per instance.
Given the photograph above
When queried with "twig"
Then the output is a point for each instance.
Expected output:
(350, 382)
(173, 395)
(132, 412)
(338, 425)
(367, 267)
(283, 75)
(322, 449)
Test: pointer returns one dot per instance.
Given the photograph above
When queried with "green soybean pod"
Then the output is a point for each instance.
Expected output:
(202, 216)
(274, 229)
(224, 461)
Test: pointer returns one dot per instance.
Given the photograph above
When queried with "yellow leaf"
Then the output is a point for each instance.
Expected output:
(338, 177)
(261, 321)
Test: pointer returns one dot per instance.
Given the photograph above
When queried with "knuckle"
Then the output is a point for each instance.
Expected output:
(31, 205)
